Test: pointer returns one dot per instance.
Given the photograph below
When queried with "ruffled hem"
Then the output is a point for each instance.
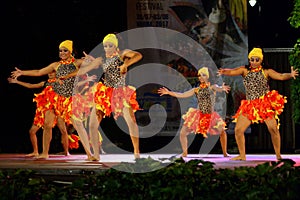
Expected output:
(44, 101)
(81, 106)
(204, 124)
(73, 141)
(48, 99)
(123, 97)
(102, 98)
(258, 110)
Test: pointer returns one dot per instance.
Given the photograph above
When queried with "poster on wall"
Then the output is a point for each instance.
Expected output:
(219, 26)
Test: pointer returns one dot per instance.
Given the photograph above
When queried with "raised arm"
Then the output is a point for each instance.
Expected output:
(130, 57)
(25, 84)
(282, 76)
(163, 91)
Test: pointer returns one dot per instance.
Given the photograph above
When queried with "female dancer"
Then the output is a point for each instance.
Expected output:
(261, 104)
(43, 104)
(113, 95)
(61, 95)
(204, 119)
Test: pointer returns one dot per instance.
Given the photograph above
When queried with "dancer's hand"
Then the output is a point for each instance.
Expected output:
(226, 88)
(294, 73)
(163, 91)
(16, 73)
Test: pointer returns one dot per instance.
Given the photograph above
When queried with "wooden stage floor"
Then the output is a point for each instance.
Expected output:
(66, 169)
(79, 162)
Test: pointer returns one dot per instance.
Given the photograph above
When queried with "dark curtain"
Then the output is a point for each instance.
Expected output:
(260, 140)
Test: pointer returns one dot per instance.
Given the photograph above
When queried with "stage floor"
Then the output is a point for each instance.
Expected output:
(66, 169)
(79, 162)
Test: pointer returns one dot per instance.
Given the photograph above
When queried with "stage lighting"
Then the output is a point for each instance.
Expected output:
(252, 2)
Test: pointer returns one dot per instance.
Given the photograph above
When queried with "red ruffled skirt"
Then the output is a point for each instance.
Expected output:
(43, 103)
(123, 97)
(48, 99)
(265, 107)
(204, 124)
(102, 97)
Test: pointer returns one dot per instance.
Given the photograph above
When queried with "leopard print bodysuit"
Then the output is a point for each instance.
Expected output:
(65, 89)
(206, 100)
(112, 76)
(256, 85)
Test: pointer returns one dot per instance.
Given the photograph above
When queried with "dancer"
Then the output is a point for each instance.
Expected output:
(42, 106)
(61, 94)
(204, 119)
(261, 104)
(113, 95)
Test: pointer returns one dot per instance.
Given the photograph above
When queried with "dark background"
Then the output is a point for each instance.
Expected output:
(32, 30)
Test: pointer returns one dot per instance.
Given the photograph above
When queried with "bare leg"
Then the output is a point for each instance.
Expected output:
(100, 115)
(275, 136)
(240, 128)
(47, 133)
(129, 117)
(64, 135)
(183, 140)
(32, 133)
(84, 138)
(223, 141)
(95, 119)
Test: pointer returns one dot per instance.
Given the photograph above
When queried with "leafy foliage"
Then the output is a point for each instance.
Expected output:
(196, 179)
(294, 58)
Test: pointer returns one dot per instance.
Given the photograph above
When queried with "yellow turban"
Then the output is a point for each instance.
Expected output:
(112, 38)
(203, 70)
(256, 52)
(67, 44)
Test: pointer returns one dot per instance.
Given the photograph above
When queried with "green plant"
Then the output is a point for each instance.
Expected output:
(195, 179)
(294, 58)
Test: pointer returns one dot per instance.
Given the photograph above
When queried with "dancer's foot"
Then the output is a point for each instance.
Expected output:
(102, 151)
(43, 156)
(136, 155)
(184, 154)
(238, 158)
(92, 158)
(226, 155)
(278, 157)
(33, 154)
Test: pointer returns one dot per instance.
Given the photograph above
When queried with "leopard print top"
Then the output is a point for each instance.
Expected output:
(65, 89)
(206, 99)
(112, 75)
(256, 85)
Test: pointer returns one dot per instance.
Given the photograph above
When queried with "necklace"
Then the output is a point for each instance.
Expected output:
(257, 69)
(203, 85)
(66, 62)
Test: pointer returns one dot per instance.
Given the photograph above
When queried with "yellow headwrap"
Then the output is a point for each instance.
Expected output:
(203, 70)
(112, 38)
(67, 44)
(256, 52)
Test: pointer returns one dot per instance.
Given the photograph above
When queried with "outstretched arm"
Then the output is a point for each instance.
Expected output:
(38, 72)
(282, 76)
(232, 72)
(163, 91)
(25, 84)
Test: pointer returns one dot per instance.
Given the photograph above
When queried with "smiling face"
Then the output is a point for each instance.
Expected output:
(202, 78)
(109, 48)
(64, 53)
(255, 61)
